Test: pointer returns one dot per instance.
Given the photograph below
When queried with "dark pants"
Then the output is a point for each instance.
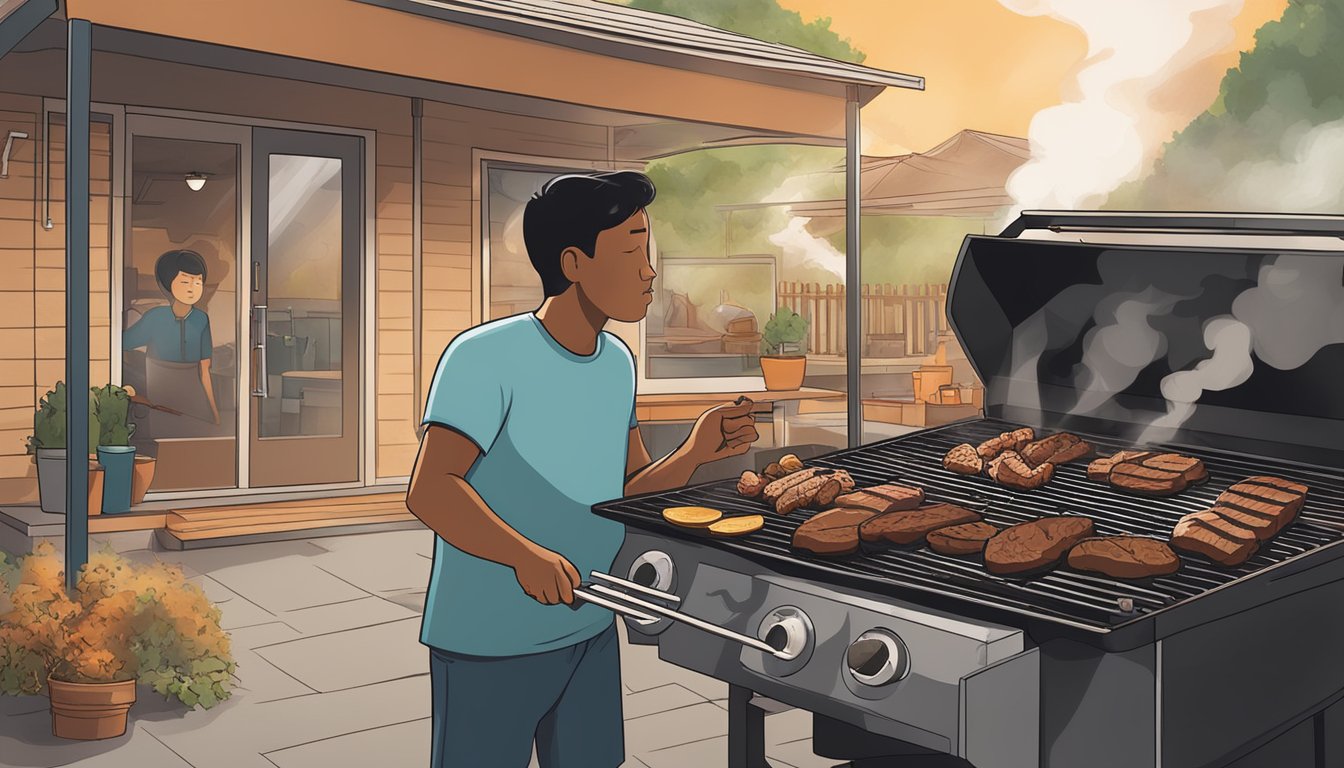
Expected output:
(488, 710)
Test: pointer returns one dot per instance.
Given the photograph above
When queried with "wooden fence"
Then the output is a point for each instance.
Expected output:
(899, 321)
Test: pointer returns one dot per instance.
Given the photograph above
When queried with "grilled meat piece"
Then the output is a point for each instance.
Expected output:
(1273, 497)
(776, 488)
(1192, 469)
(1150, 481)
(1028, 547)
(966, 539)
(1056, 449)
(826, 496)
(805, 494)
(774, 471)
(1100, 469)
(1011, 470)
(1008, 441)
(751, 484)
(964, 460)
(833, 532)
(912, 526)
(790, 463)
(883, 498)
(1124, 557)
(1220, 540)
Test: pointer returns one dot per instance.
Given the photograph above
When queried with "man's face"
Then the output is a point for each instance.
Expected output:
(188, 288)
(618, 280)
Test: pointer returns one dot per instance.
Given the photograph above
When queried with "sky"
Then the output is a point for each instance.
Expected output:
(986, 67)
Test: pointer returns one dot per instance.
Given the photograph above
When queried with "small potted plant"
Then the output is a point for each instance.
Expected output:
(783, 363)
(111, 408)
(125, 623)
(47, 444)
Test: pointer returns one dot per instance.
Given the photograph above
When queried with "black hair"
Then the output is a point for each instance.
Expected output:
(571, 210)
(171, 263)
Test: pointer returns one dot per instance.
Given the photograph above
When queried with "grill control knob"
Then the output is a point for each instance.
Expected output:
(877, 658)
(788, 631)
(654, 570)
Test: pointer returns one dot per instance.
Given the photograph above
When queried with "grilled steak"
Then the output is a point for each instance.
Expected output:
(1150, 481)
(1191, 469)
(1124, 557)
(1056, 449)
(1100, 469)
(1028, 547)
(1011, 470)
(912, 526)
(967, 539)
(890, 497)
(833, 532)
(964, 460)
(1262, 506)
(1008, 441)
(1214, 537)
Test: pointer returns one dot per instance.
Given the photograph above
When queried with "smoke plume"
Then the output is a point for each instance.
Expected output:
(1114, 125)
(800, 248)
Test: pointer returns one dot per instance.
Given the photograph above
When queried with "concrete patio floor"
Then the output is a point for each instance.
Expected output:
(330, 673)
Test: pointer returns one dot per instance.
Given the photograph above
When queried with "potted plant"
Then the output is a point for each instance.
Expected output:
(783, 363)
(47, 444)
(125, 623)
(111, 408)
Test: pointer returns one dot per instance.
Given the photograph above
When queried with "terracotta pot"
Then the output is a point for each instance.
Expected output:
(141, 478)
(95, 488)
(90, 710)
(783, 372)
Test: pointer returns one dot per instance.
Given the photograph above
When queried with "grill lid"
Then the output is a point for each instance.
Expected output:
(1162, 327)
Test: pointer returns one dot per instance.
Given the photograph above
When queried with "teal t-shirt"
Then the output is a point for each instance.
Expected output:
(171, 338)
(553, 428)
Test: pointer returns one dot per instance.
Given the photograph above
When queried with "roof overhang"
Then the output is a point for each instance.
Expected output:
(366, 39)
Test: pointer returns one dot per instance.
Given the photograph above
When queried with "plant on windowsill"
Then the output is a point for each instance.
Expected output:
(783, 363)
(125, 623)
(47, 445)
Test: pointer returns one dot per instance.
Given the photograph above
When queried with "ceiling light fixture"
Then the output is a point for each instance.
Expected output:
(196, 180)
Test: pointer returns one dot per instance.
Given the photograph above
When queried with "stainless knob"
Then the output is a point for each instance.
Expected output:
(788, 631)
(877, 658)
(654, 569)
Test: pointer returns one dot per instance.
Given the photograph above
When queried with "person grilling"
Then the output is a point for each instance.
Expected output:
(530, 420)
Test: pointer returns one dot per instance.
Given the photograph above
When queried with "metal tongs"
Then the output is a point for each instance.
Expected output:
(645, 612)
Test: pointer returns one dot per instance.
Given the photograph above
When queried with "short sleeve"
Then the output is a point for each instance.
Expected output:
(468, 394)
(634, 422)
(207, 343)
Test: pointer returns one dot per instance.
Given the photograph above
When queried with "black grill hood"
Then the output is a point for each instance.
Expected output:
(1090, 320)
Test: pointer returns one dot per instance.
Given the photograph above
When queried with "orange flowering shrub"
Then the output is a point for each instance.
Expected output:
(125, 621)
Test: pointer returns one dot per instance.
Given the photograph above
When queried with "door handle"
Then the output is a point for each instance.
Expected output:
(259, 350)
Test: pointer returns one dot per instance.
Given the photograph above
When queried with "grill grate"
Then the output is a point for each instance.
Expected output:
(1072, 598)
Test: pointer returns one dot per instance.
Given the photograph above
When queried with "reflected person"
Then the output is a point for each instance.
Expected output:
(177, 337)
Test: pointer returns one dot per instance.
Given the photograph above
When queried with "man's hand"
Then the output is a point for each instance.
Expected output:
(546, 576)
(723, 431)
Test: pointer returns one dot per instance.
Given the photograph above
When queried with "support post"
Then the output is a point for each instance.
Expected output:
(853, 279)
(746, 730)
(78, 76)
(417, 257)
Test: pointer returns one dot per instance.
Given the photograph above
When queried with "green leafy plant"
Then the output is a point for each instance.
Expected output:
(109, 418)
(786, 329)
(124, 621)
(111, 407)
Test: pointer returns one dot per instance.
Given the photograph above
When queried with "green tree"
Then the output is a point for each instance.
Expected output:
(1274, 137)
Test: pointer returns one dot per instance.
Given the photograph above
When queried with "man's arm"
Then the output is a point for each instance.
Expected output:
(443, 500)
(720, 432)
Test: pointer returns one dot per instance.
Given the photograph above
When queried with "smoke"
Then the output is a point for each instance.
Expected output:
(1305, 180)
(1121, 346)
(1140, 52)
(1295, 310)
(800, 248)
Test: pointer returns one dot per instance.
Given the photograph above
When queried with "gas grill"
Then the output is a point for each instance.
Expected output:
(906, 652)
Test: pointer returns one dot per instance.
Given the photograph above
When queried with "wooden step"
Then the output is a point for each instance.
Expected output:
(249, 523)
(184, 524)
(234, 511)
(221, 531)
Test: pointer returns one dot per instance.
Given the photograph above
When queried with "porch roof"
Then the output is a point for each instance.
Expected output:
(572, 59)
